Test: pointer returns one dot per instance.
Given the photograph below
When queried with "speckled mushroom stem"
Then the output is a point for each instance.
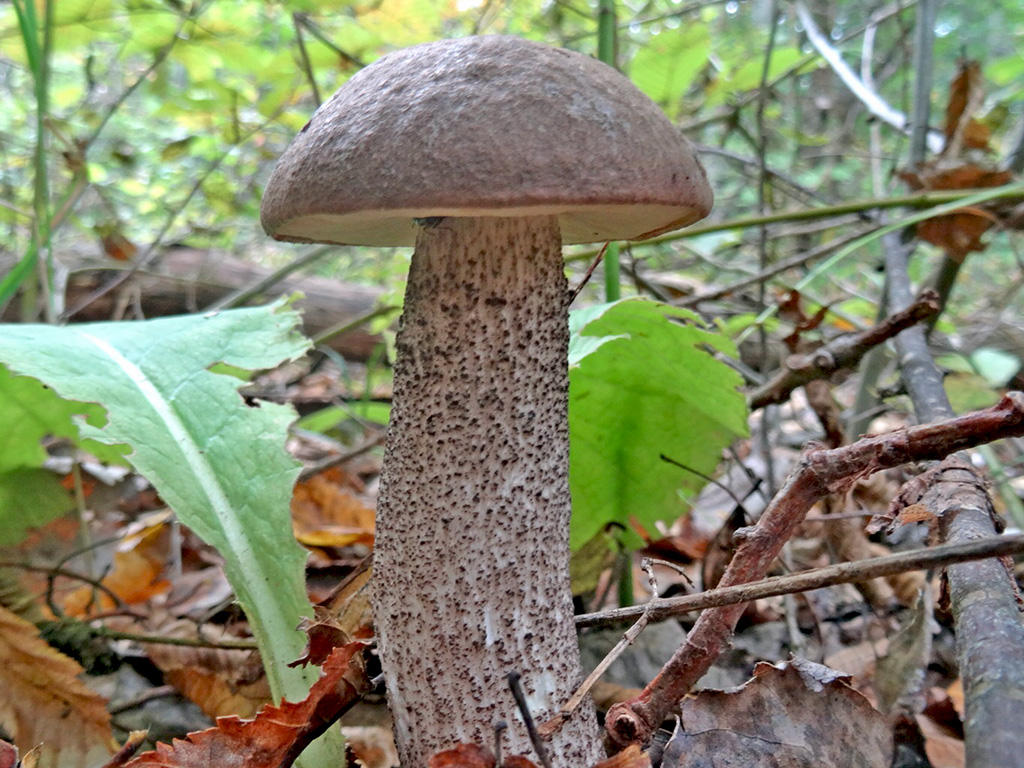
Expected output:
(472, 552)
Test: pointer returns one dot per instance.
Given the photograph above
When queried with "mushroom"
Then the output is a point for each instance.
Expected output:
(488, 153)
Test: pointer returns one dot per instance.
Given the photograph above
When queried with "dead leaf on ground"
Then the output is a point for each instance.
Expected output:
(900, 675)
(795, 714)
(631, 757)
(462, 756)
(278, 734)
(944, 748)
(325, 513)
(43, 701)
(134, 578)
(220, 681)
(372, 745)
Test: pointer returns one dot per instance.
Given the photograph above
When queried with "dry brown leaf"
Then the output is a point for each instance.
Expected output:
(943, 747)
(350, 605)
(960, 232)
(631, 757)
(964, 94)
(220, 681)
(955, 691)
(323, 634)
(277, 735)
(134, 578)
(462, 756)
(518, 761)
(43, 701)
(372, 745)
(798, 714)
(326, 514)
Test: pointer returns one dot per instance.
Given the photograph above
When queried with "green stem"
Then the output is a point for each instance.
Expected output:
(606, 32)
(928, 199)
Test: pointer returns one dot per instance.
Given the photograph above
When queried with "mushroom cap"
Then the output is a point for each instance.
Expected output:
(485, 126)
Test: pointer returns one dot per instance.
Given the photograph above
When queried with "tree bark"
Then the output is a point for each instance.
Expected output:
(472, 551)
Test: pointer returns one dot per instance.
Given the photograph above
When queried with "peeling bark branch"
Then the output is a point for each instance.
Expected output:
(842, 352)
(819, 472)
(989, 631)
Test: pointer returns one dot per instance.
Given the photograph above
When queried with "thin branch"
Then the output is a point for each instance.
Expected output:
(664, 608)
(842, 352)
(875, 103)
(797, 260)
(915, 200)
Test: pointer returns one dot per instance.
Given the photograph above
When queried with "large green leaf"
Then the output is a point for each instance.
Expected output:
(641, 385)
(219, 463)
(665, 67)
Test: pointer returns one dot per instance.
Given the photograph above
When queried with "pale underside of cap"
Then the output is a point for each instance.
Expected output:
(485, 126)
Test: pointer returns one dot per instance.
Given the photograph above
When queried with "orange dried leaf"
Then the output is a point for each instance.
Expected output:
(462, 756)
(277, 735)
(631, 757)
(325, 514)
(324, 633)
(43, 701)
(518, 761)
(134, 579)
(216, 695)
(965, 93)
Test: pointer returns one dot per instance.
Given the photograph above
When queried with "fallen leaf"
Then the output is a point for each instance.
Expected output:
(943, 747)
(372, 745)
(326, 514)
(797, 714)
(631, 757)
(324, 634)
(44, 702)
(220, 681)
(278, 734)
(134, 578)
(462, 756)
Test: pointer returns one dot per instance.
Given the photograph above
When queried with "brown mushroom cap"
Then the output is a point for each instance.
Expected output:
(485, 126)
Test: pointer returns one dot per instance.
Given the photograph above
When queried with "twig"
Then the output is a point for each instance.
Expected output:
(524, 710)
(54, 572)
(797, 260)
(589, 273)
(665, 608)
(842, 352)
(818, 473)
(307, 66)
(242, 295)
(875, 103)
(628, 638)
(190, 642)
(333, 461)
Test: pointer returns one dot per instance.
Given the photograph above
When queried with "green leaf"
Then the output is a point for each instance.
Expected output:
(29, 498)
(220, 464)
(641, 385)
(667, 64)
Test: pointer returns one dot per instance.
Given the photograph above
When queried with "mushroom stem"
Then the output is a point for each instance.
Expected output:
(472, 552)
